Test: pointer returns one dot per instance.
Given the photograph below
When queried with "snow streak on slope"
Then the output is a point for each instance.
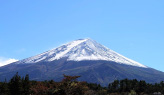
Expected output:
(83, 49)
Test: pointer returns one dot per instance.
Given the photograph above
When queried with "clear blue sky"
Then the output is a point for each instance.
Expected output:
(133, 28)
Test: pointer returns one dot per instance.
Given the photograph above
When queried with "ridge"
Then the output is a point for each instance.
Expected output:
(79, 50)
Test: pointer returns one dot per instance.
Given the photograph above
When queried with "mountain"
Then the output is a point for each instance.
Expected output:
(82, 49)
(84, 57)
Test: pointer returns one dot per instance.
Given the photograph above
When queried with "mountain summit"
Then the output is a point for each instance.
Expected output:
(84, 57)
(79, 50)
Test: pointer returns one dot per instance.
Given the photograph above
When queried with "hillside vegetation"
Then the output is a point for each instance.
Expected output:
(70, 86)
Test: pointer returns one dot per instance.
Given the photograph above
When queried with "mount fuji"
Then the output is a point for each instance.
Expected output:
(84, 57)
(79, 50)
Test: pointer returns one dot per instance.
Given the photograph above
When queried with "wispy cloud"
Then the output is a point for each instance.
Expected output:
(5, 61)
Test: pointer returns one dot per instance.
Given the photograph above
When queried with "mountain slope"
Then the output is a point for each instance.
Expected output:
(86, 58)
(97, 71)
(83, 49)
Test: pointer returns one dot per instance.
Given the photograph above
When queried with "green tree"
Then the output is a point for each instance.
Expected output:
(115, 86)
(124, 85)
(26, 85)
(142, 86)
(15, 85)
(134, 84)
(4, 88)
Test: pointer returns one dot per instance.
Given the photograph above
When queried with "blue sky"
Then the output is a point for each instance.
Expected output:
(133, 28)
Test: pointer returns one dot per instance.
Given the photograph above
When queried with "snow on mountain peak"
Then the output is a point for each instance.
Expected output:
(82, 49)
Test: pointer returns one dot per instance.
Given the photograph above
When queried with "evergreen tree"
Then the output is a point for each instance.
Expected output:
(26, 85)
(15, 85)
(4, 88)
(115, 86)
(142, 86)
(134, 84)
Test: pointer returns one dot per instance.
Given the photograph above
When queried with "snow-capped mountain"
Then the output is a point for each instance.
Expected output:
(82, 49)
(92, 61)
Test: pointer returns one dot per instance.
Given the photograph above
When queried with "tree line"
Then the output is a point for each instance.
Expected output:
(70, 86)
(135, 87)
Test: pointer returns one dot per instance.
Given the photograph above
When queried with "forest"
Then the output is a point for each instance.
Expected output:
(70, 86)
